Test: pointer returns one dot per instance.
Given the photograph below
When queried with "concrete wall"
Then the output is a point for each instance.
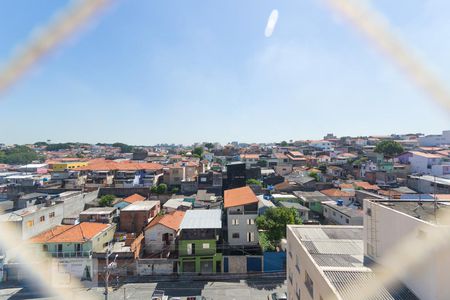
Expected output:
(124, 192)
(237, 264)
(154, 266)
(75, 205)
(428, 280)
(153, 238)
(41, 226)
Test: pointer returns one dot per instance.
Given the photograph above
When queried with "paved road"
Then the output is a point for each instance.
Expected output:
(257, 288)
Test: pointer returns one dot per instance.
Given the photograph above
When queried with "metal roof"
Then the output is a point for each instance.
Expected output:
(202, 219)
(339, 252)
(349, 284)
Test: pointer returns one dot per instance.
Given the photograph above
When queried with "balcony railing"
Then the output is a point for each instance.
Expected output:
(247, 212)
(71, 254)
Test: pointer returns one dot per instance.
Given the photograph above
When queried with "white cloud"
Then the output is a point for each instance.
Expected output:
(271, 23)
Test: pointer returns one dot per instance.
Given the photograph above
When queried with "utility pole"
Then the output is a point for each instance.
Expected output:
(108, 268)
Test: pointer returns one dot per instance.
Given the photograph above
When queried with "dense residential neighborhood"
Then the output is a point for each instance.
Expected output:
(227, 209)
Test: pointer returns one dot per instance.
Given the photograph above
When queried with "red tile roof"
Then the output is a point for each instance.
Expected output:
(110, 165)
(249, 156)
(134, 198)
(239, 196)
(172, 220)
(336, 193)
(71, 233)
(366, 186)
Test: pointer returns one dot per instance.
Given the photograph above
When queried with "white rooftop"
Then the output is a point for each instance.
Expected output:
(202, 219)
(141, 205)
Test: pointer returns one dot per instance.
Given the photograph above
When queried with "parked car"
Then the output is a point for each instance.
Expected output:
(277, 296)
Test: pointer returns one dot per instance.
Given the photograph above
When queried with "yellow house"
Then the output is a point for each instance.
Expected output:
(68, 165)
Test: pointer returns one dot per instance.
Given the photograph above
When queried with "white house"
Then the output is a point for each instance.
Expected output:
(323, 145)
(435, 139)
(241, 206)
(422, 162)
(161, 233)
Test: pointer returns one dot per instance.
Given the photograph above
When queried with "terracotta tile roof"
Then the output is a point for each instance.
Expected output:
(295, 153)
(172, 220)
(239, 196)
(250, 156)
(280, 155)
(426, 155)
(366, 186)
(346, 186)
(134, 198)
(79, 233)
(49, 234)
(109, 165)
(336, 193)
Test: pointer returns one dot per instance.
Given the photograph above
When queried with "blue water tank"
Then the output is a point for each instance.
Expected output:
(340, 202)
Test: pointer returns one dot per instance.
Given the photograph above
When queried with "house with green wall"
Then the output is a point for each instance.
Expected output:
(78, 240)
(200, 235)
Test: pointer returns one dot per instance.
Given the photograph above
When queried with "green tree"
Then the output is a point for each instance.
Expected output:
(124, 148)
(40, 144)
(175, 190)
(198, 151)
(252, 181)
(19, 155)
(389, 148)
(273, 222)
(209, 145)
(154, 189)
(283, 144)
(161, 189)
(107, 200)
(58, 146)
(314, 175)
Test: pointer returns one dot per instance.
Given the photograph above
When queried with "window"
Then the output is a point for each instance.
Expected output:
(309, 285)
(42, 219)
(51, 215)
(250, 221)
(347, 221)
(235, 235)
(297, 263)
(235, 221)
(250, 236)
(334, 213)
(205, 245)
(30, 223)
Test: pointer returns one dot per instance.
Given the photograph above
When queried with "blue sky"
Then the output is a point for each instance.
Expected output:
(148, 72)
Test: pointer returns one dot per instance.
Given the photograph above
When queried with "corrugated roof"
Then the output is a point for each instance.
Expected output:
(338, 252)
(202, 219)
(349, 284)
